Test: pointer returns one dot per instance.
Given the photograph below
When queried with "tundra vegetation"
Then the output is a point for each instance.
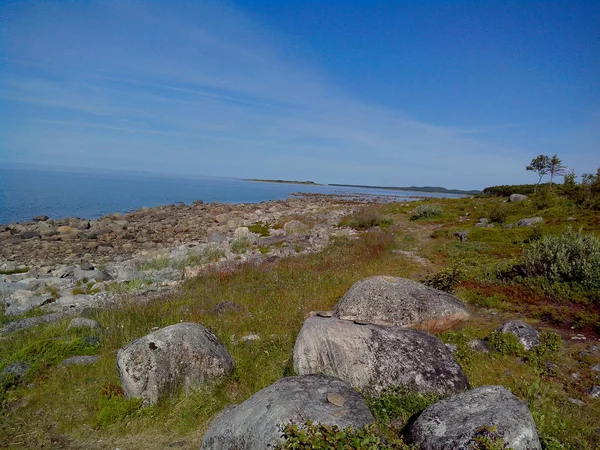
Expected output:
(546, 275)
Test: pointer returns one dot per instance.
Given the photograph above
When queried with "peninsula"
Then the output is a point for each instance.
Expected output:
(437, 189)
(260, 180)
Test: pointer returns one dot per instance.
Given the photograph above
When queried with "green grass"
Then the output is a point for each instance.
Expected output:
(14, 271)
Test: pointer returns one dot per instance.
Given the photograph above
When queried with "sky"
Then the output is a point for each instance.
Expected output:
(461, 94)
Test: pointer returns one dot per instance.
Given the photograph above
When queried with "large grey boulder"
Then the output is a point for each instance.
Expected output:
(517, 198)
(384, 300)
(257, 423)
(527, 335)
(372, 358)
(487, 411)
(185, 355)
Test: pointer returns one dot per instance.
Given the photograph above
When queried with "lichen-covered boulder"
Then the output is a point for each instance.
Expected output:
(185, 355)
(517, 198)
(372, 358)
(257, 423)
(384, 300)
(530, 221)
(526, 334)
(488, 411)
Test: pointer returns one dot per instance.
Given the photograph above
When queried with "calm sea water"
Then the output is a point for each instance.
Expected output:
(26, 192)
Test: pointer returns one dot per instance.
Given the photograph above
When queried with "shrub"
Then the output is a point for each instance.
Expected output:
(364, 218)
(571, 257)
(239, 245)
(398, 403)
(318, 436)
(426, 212)
(506, 344)
(445, 280)
(113, 407)
(498, 213)
(544, 198)
(260, 228)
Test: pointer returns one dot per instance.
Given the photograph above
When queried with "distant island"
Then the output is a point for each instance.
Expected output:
(312, 183)
(437, 189)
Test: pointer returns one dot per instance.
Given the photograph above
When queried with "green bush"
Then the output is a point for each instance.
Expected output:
(498, 213)
(571, 257)
(240, 245)
(260, 228)
(398, 403)
(320, 437)
(506, 344)
(364, 218)
(445, 280)
(426, 212)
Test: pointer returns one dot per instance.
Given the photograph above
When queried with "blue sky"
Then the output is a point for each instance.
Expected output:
(460, 94)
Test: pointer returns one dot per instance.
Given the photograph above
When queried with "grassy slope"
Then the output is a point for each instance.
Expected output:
(58, 406)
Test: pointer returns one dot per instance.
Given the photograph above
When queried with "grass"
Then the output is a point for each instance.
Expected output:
(193, 258)
(79, 406)
(14, 271)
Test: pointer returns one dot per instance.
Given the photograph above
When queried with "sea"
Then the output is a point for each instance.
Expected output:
(28, 191)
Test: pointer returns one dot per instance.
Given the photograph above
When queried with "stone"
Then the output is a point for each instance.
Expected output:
(185, 355)
(594, 392)
(227, 307)
(29, 322)
(16, 370)
(81, 360)
(487, 411)
(40, 218)
(372, 358)
(462, 235)
(478, 345)
(395, 301)
(295, 227)
(575, 401)
(529, 221)
(92, 340)
(452, 347)
(82, 322)
(250, 338)
(30, 235)
(527, 335)
(517, 198)
(256, 424)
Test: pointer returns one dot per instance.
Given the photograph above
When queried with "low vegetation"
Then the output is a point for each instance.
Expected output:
(426, 211)
(367, 217)
(543, 274)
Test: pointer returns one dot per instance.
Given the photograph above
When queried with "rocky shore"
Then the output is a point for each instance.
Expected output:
(67, 264)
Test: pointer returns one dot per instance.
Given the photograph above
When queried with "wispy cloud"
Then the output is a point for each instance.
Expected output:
(200, 88)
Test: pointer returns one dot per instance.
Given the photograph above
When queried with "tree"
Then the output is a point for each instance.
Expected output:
(540, 165)
(556, 167)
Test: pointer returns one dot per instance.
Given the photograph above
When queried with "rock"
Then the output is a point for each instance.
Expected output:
(384, 300)
(40, 218)
(183, 355)
(575, 401)
(487, 411)
(452, 347)
(527, 335)
(596, 368)
(30, 235)
(478, 345)
(372, 358)
(82, 360)
(295, 227)
(16, 370)
(91, 340)
(82, 322)
(256, 424)
(250, 338)
(517, 198)
(462, 235)
(241, 232)
(529, 221)
(29, 322)
(594, 392)
(227, 307)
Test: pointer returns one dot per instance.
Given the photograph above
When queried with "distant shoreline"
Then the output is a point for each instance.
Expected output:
(260, 180)
(437, 189)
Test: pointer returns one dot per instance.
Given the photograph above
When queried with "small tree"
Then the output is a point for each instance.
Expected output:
(556, 167)
(540, 165)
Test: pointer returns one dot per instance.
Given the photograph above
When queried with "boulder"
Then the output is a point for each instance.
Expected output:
(529, 221)
(396, 301)
(517, 198)
(185, 355)
(82, 322)
(257, 423)
(295, 227)
(40, 218)
(527, 335)
(372, 358)
(487, 411)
